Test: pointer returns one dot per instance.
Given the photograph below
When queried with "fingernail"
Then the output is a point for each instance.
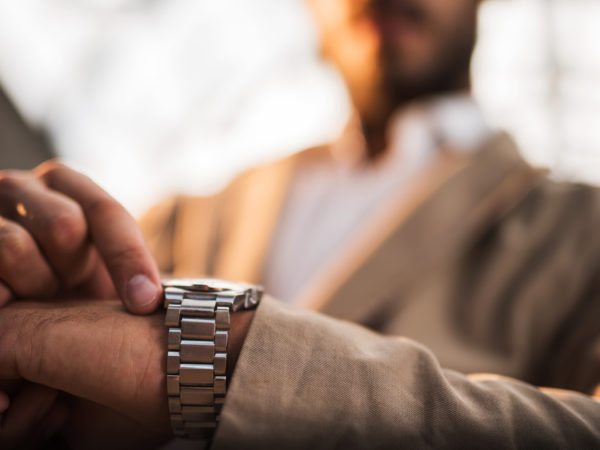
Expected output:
(141, 291)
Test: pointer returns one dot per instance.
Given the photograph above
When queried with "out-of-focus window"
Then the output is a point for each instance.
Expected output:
(156, 97)
(537, 74)
(152, 97)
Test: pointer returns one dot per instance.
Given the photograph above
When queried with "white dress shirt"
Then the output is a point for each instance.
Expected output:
(328, 203)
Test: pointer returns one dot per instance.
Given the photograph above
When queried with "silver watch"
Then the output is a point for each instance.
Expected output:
(197, 318)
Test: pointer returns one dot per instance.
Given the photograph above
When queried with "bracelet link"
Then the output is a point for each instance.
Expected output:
(198, 317)
(196, 362)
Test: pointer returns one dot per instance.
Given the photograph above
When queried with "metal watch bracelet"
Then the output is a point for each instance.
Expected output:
(197, 318)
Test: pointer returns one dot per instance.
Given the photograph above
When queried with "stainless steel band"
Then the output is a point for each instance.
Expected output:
(197, 317)
(198, 331)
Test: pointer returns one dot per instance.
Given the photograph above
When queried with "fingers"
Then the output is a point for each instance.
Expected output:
(116, 236)
(55, 221)
(55, 420)
(23, 423)
(23, 269)
(95, 427)
(48, 235)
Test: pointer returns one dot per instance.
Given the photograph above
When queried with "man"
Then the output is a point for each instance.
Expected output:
(418, 207)
(474, 254)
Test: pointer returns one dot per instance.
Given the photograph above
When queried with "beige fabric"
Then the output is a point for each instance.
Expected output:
(304, 380)
(490, 265)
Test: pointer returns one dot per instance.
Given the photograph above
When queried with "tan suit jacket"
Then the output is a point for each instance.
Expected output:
(486, 263)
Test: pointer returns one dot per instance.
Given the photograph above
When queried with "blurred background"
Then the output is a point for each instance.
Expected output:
(154, 97)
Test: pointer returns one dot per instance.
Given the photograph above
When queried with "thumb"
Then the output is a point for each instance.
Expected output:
(116, 236)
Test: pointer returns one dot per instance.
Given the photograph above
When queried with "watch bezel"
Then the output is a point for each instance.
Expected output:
(238, 296)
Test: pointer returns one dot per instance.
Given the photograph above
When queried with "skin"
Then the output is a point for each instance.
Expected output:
(90, 370)
(109, 362)
(71, 239)
(61, 237)
(390, 52)
(92, 350)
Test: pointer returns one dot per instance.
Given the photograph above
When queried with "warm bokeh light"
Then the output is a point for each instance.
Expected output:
(21, 210)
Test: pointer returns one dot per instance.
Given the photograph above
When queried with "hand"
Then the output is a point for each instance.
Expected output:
(36, 413)
(112, 365)
(62, 236)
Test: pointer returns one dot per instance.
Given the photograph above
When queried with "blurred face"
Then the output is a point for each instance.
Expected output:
(391, 51)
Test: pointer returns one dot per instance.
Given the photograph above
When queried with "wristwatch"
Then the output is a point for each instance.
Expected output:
(197, 318)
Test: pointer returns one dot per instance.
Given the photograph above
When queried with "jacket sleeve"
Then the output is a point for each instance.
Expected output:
(304, 380)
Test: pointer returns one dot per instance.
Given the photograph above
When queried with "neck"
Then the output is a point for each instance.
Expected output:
(374, 126)
(375, 138)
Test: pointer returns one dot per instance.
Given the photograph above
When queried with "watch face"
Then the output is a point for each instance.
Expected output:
(237, 296)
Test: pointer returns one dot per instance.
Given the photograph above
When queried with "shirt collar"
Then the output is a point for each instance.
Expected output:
(454, 122)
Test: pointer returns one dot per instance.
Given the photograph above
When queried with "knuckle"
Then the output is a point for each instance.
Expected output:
(66, 230)
(10, 180)
(50, 167)
(50, 171)
(5, 295)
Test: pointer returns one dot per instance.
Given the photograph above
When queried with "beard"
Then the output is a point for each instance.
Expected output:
(445, 70)
(401, 79)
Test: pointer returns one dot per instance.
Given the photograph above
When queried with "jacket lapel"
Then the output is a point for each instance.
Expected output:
(421, 227)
